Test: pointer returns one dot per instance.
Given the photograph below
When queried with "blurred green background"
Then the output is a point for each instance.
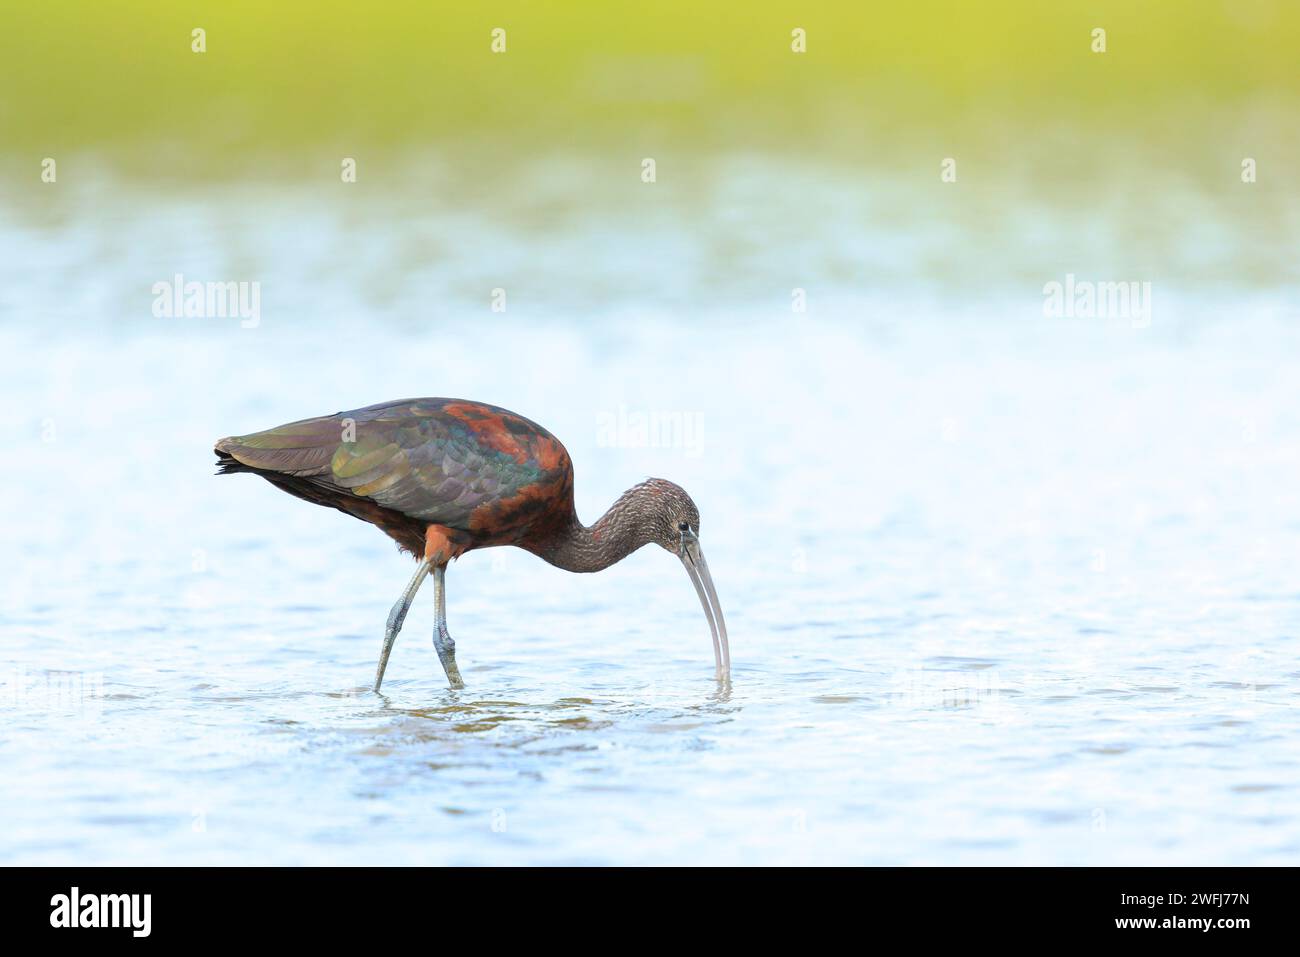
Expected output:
(290, 76)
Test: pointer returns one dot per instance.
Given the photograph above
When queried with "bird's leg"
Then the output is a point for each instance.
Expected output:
(442, 640)
(397, 616)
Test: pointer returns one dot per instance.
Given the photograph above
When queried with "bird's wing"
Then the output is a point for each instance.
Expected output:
(430, 460)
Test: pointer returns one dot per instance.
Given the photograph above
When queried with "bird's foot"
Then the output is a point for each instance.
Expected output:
(446, 647)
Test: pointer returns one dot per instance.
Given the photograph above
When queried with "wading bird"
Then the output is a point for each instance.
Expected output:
(442, 477)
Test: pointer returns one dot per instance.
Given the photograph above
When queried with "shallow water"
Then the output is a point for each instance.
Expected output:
(1001, 588)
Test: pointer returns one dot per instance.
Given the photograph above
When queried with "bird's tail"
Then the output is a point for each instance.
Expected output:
(227, 463)
(300, 449)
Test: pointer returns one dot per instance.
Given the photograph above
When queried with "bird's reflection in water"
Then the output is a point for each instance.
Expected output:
(652, 707)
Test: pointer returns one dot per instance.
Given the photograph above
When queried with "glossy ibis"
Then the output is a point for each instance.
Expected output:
(442, 477)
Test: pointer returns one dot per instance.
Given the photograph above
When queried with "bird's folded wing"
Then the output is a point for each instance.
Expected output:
(424, 467)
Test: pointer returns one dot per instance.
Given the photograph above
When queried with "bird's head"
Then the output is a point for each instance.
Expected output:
(670, 513)
(675, 526)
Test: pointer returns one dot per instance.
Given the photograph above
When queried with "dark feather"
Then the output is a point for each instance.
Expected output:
(466, 466)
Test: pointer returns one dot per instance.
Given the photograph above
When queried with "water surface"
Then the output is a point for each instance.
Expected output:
(1002, 589)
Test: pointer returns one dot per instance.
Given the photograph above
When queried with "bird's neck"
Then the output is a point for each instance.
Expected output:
(579, 548)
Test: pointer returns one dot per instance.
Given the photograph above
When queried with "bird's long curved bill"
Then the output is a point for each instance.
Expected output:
(698, 569)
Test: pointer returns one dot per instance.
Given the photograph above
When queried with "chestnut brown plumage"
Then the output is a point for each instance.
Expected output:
(442, 477)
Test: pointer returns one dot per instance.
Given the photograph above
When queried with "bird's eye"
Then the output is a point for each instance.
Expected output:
(683, 527)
